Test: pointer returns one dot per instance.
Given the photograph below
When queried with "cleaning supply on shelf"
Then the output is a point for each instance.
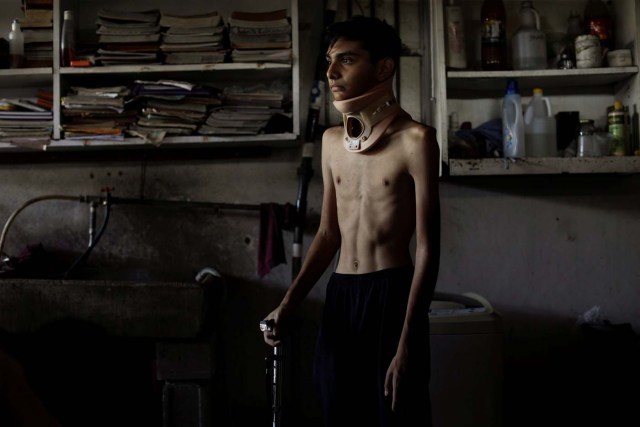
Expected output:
(456, 56)
(493, 22)
(529, 43)
(16, 45)
(513, 139)
(618, 128)
(539, 127)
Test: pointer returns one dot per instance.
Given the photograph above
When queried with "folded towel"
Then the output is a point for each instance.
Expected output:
(273, 219)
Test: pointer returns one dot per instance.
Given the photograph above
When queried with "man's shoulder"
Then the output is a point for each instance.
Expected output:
(333, 133)
(414, 131)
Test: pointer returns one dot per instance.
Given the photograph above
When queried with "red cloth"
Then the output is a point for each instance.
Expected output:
(273, 219)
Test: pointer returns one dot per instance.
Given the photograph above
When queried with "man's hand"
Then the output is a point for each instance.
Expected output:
(393, 380)
(277, 321)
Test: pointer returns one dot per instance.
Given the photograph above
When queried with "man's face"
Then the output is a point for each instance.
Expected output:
(350, 72)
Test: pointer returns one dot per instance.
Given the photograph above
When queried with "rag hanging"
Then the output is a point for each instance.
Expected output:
(273, 219)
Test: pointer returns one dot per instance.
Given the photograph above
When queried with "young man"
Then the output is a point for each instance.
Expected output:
(380, 172)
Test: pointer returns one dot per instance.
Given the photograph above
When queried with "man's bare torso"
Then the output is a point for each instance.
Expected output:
(375, 199)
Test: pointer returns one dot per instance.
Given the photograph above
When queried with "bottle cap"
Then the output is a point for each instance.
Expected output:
(537, 91)
(68, 14)
(512, 87)
(617, 105)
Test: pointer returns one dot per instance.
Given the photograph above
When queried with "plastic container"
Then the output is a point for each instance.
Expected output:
(16, 45)
(493, 21)
(619, 58)
(456, 56)
(512, 122)
(588, 51)
(540, 127)
(68, 39)
(529, 43)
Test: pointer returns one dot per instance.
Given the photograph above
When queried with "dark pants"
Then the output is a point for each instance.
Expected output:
(362, 322)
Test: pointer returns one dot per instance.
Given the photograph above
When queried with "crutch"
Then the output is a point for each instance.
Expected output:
(274, 362)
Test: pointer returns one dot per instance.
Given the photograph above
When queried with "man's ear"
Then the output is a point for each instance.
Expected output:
(385, 69)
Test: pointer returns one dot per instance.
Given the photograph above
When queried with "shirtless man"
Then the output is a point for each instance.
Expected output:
(380, 173)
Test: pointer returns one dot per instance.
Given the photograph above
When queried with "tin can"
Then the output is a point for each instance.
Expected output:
(618, 127)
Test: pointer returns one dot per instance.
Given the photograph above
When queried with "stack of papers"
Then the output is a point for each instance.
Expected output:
(37, 28)
(193, 39)
(260, 37)
(22, 119)
(128, 37)
(243, 114)
(96, 113)
(171, 107)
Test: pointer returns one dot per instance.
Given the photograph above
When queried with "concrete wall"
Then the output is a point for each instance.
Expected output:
(543, 250)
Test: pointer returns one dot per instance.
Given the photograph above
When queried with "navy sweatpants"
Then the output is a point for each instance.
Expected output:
(362, 322)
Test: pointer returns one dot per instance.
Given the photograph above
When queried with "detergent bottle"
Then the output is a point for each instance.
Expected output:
(512, 122)
(540, 127)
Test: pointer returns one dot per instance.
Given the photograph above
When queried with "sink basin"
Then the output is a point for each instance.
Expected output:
(122, 308)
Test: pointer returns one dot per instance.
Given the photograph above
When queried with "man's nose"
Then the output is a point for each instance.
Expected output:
(332, 71)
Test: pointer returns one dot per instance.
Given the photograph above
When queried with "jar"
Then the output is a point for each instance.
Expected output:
(587, 146)
(588, 51)
(619, 58)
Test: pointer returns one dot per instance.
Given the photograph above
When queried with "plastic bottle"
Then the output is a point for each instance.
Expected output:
(493, 21)
(574, 29)
(597, 21)
(529, 43)
(540, 127)
(456, 54)
(512, 122)
(16, 45)
(68, 40)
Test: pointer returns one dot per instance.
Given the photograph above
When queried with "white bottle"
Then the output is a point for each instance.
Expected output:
(540, 127)
(529, 43)
(512, 122)
(16, 45)
(456, 56)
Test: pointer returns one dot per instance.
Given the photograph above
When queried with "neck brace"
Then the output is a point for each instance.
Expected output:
(367, 117)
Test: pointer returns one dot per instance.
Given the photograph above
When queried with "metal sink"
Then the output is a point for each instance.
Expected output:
(122, 308)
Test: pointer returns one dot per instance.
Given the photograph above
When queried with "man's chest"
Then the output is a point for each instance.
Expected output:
(373, 175)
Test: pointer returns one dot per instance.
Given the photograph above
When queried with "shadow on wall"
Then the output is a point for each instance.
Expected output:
(560, 373)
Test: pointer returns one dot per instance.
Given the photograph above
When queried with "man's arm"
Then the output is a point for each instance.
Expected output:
(323, 248)
(423, 165)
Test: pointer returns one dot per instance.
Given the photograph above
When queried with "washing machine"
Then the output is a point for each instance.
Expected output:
(466, 361)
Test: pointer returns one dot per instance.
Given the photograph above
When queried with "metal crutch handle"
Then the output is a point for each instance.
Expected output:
(275, 377)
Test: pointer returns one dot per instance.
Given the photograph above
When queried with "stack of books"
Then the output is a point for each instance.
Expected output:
(243, 114)
(24, 119)
(260, 37)
(171, 107)
(128, 37)
(96, 113)
(37, 27)
(193, 39)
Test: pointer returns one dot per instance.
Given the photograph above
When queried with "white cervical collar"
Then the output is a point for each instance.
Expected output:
(367, 117)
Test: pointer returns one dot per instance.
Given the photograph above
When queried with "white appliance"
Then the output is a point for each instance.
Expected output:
(466, 361)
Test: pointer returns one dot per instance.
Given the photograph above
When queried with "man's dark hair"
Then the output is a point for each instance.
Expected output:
(377, 37)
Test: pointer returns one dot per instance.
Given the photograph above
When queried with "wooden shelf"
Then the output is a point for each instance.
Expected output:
(549, 79)
(544, 166)
(131, 69)
(275, 140)
(17, 77)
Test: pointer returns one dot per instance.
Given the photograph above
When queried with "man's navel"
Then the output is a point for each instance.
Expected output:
(355, 264)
